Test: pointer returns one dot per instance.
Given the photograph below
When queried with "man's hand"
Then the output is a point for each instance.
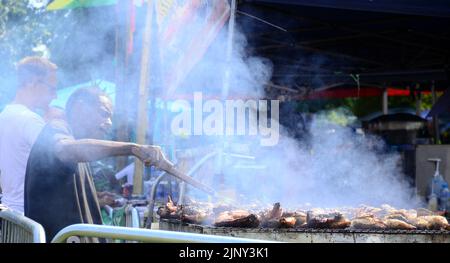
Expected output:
(152, 155)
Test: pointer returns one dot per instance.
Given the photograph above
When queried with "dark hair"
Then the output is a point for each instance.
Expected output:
(87, 96)
(30, 68)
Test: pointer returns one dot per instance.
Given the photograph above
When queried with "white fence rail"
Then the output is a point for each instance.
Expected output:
(16, 228)
(78, 231)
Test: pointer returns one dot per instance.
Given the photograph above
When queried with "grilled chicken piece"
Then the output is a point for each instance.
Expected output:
(195, 215)
(332, 220)
(231, 215)
(198, 218)
(398, 224)
(163, 212)
(276, 212)
(368, 222)
(171, 206)
(170, 210)
(340, 224)
(236, 218)
(369, 211)
(300, 218)
(434, 222)
(271, 219)
(424, 212)
(408, 214)
(287, 222)
(236, 214)
(420, 223)
(396, 217)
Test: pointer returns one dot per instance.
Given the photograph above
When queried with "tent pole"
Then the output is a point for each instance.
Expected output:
(219, 173)
(226, 82)
(122, 96)
(142, 116)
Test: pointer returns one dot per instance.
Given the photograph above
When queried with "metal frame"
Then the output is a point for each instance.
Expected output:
(142, 235)
(131, 217)
(313, 235)
(17, 228)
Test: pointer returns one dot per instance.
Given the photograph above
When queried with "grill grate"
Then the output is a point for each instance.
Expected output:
(315, 230)
(314, 235)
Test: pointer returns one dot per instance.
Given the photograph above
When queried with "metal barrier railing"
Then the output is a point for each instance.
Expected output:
(16, 228)
(141, 235)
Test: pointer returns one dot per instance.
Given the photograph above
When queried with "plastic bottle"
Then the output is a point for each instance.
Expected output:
(444, 198)
(436, 185)
(433, 202)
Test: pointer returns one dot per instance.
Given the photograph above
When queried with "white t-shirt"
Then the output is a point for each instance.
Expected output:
(19, 129)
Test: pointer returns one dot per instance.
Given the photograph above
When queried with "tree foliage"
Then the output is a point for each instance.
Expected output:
(25, 30)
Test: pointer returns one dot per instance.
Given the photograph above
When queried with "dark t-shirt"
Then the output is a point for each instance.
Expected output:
(56, 193)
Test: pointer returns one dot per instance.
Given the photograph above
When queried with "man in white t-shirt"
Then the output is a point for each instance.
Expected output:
(20, 125)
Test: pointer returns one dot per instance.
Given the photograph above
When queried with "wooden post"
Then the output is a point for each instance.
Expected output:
(142, 114)
(122, 98)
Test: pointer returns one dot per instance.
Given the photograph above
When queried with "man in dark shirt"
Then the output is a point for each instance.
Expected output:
(59, 190)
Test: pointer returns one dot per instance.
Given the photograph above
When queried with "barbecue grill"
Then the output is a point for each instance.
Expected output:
(308, 235)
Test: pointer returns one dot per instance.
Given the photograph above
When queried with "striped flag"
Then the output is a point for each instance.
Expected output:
(69, 4)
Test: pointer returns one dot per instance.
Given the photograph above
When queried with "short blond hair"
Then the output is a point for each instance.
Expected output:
(30, 68)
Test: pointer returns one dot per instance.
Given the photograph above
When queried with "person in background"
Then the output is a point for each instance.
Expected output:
(59, 189)
(128, 172)
(20, 125)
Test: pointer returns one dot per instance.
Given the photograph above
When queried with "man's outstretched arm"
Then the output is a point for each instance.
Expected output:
(87, 150)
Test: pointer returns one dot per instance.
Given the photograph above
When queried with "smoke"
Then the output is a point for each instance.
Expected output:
(336, 168)
(247, 74)
(331, 167)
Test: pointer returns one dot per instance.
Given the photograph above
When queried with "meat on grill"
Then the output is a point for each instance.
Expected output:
(236, 218)
(271, 219)
(367, 222)
(300, 218)
(287, 222)
(188, 214)
(398, 224)
(331, 220)
(170, 210)
(276, 218)
(432, 222)
(276, 212)
(364, 217)
(194, 215)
